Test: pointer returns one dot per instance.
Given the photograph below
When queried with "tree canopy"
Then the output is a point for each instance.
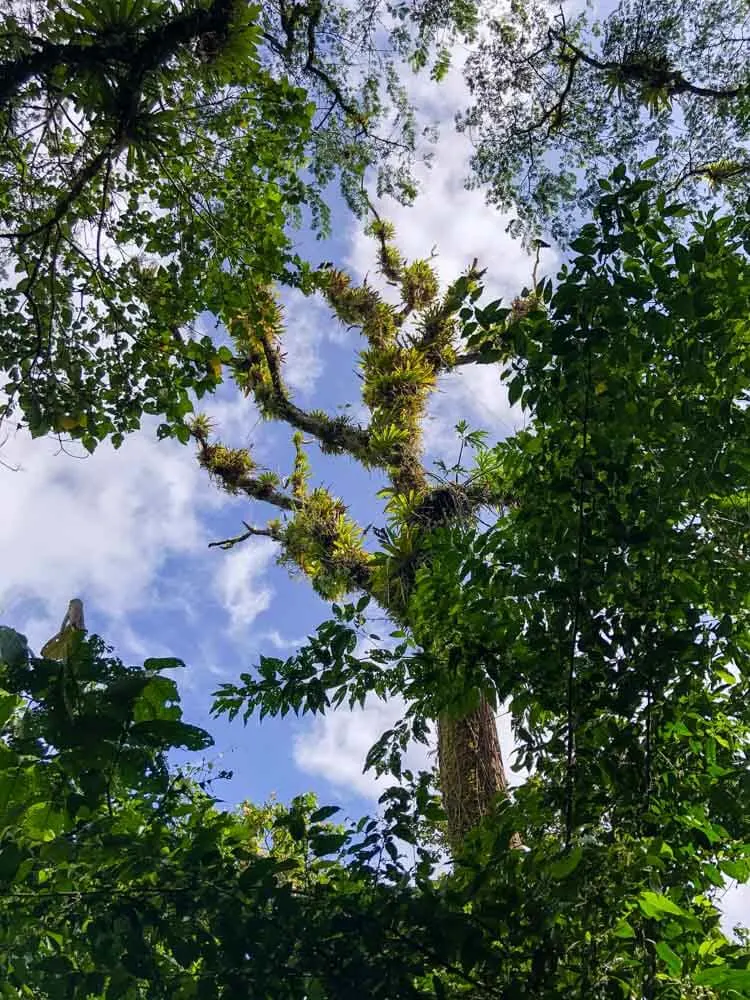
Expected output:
(153, 156)
(560, 95)
(589, 574)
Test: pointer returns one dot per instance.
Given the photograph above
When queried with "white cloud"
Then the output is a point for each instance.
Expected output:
(235, 417)
(735, 908)
(239, 581)
(281, 642)
(100, 527)
(456, 221)
(334, 747)
(309, 325)
(476, 394)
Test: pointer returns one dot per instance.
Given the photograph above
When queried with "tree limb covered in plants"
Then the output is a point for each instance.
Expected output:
(408, 346)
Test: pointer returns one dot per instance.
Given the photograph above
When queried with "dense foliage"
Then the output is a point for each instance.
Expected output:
(135, 170)
(607, 604)
(122, 879)
(153, 155)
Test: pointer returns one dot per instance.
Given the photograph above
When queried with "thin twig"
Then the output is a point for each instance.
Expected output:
(229, 543)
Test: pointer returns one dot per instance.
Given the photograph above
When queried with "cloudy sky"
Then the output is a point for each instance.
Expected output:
(128, 531)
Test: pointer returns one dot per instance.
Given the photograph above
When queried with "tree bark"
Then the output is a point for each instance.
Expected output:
(471, 769)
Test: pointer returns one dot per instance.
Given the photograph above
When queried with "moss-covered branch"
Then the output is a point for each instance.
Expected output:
(258, 370)
(407, 346)
(235, 470)
(317, 536)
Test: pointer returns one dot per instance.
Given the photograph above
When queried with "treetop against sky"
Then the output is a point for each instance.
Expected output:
(129, 530)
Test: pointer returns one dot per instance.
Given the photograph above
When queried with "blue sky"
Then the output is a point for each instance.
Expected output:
(128, 531)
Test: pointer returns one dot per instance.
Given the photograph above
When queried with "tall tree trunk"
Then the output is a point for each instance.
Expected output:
(471, 769)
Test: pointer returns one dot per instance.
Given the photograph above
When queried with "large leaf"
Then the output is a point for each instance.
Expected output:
(165, 733)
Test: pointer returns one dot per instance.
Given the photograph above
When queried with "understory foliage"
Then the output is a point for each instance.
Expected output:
(122, 878)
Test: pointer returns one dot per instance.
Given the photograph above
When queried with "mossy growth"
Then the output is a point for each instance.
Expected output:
(338, 431)
(380, 326)
(408, 345)
(401, 363)
(397, 381)
(390, 260)
(387, 442)
(268, 480)
(301, 474)
(322, 541)
(201, 427)
(523, 305)
(394, 568)
(419, 285)
(397, 385)
(257, 334)
(353, 306)
(229, 466)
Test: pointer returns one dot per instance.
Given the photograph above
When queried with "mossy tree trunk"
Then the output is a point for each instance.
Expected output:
(470, 765)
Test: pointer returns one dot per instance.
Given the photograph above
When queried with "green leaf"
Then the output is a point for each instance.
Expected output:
(11, 856)
(8, 705)
(287, 865)
(683, 258)
(739, 870)
(657, 905)
(515, 388)
(438, 987)
(158, 664)
(327, 843)
(582, 246)
(670, 959)
(567, 864)
(324, 813)
(724, 977)
(624, 929)
(166, 733)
